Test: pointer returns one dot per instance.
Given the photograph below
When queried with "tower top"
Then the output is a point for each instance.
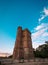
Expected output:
(27, 30)
(20, 27)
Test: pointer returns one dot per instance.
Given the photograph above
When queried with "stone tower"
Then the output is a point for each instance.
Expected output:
(23, 45)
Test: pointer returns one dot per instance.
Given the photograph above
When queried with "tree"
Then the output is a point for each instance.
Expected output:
(42, 51)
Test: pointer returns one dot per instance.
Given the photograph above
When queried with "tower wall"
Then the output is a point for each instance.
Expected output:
(18, 49)
(23, 45)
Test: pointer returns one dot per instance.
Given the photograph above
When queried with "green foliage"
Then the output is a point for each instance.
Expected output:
(42, 51)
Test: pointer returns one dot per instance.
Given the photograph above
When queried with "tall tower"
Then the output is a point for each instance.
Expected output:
(23, 45)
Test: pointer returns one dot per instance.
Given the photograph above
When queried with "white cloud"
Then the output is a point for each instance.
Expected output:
(41, 18)
(39, 27)
(38, 33)
(43, 25)
(45, 11)
(36, 44)
(45, 34)
(41, 34)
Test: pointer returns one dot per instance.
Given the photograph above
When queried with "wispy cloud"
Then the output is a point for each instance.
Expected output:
(42, 26)
(44, 13)
(38, 34)
(45, 34)
(36, 44)
(41, 34)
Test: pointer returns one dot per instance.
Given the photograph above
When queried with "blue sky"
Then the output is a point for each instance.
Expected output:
(31, 14)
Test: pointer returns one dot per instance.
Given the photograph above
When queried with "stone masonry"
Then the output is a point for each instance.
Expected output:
(23, 45)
